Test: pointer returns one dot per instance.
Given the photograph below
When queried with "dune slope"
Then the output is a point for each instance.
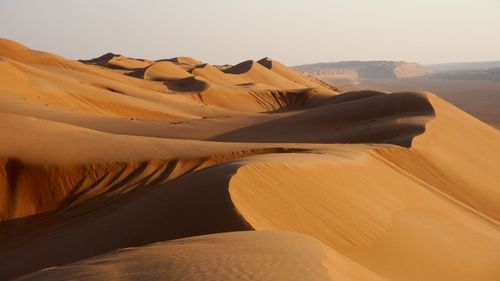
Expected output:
(255, 256)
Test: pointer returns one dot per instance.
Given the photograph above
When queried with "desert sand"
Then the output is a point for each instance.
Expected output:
(118, 168)
(254, 255)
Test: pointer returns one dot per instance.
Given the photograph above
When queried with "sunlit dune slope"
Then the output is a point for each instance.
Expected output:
(254, 256)
(255, 72)
(421, 203)
(165, 70)
(291, 75)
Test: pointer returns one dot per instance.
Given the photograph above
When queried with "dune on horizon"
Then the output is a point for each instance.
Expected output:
(117, 168)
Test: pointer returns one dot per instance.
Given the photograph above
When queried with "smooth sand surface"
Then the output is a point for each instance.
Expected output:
(101, 158)
(254, 255)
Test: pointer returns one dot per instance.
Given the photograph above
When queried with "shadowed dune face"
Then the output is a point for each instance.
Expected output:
(139, 219)
(478, 97)
(255, 72)
(110, 153)
(118, 62)
(240, 68)
(381, 118)
(189, 84)
(213, 74)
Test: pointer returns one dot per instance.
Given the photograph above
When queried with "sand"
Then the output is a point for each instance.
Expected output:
(254, 256)
(104, 163)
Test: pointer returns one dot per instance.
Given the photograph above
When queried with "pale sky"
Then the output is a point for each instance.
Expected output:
(230, 31)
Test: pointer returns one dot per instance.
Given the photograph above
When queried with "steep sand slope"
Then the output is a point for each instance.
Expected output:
(165, 70)
(392, 224)
(292, 75)
(458, 155)
(255, 72)
(254, 256)
(215, 75)
(381, 118)
(47, 170)
(118, 62)
(18, 52)
(418, 203)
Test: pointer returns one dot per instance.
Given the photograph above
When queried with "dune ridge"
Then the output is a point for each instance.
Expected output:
(380, 186)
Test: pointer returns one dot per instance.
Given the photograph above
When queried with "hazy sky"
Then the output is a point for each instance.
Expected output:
(229, 31)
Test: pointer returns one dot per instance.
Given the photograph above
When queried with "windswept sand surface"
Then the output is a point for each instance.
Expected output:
(131, 169)
(254, 255)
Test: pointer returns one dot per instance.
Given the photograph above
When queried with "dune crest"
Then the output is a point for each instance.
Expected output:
(165, 71)
(255, 72)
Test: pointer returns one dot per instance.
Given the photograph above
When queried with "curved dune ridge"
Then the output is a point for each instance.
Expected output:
(185, 61)
(290, 74)
(104, 163)
(255, 72)
(165, 70)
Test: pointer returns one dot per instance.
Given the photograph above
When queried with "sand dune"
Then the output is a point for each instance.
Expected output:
(215, 75)
(111, 153)
(165, 71)
(118, 62)
(18, 52)
(185, 61)
(290, 74)
(353, 70)
(255, 72)
(255, 256)
(383, 118)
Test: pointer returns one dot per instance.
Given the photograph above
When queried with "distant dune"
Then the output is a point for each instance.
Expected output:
(492, 74)
(118, 168)
(464, 66)
(365, 69)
